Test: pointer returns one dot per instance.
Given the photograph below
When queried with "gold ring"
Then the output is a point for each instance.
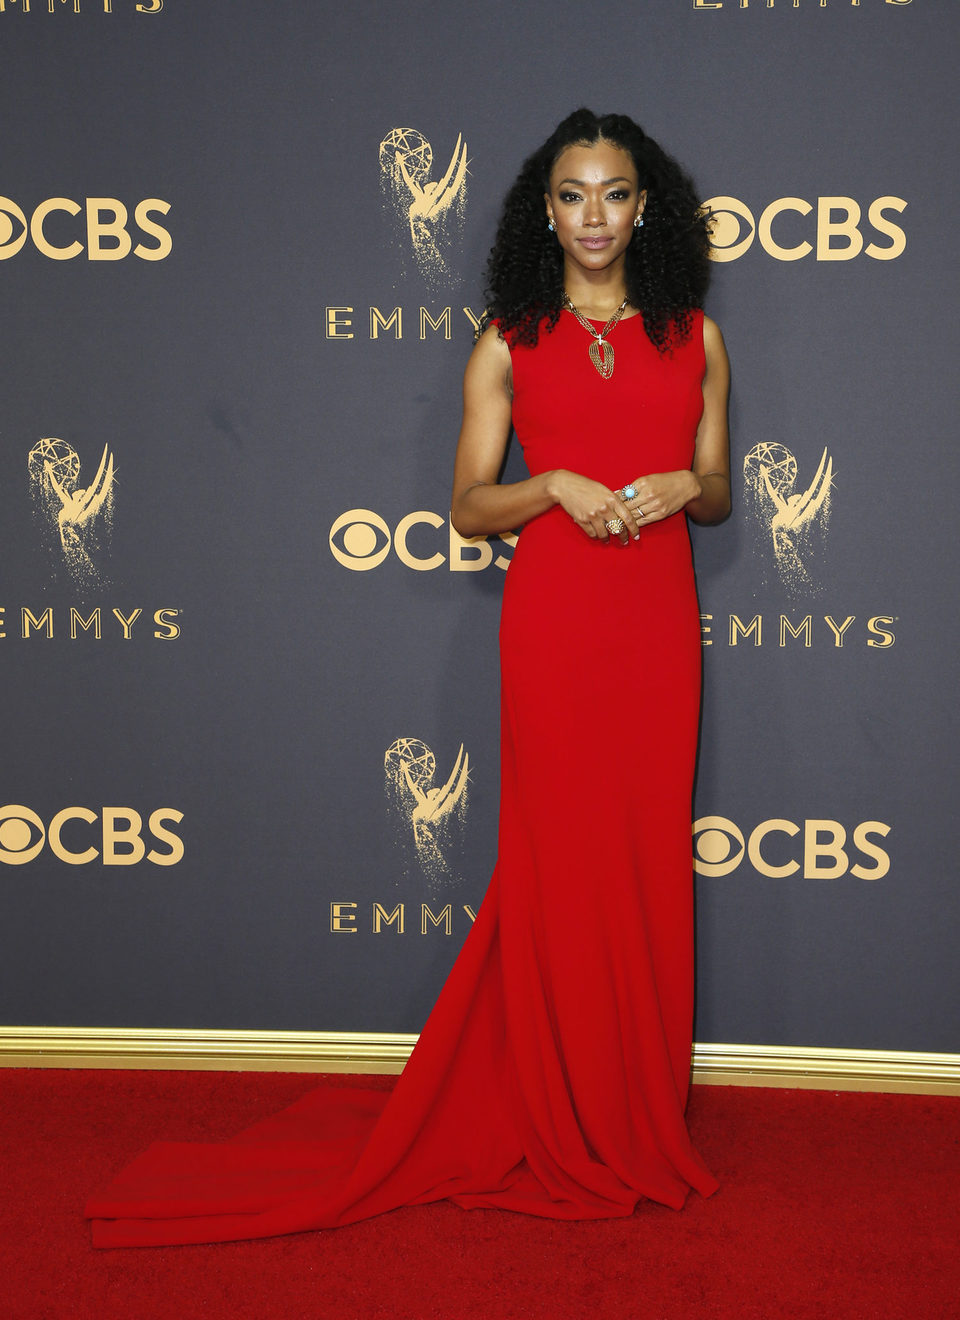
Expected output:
(615, 526)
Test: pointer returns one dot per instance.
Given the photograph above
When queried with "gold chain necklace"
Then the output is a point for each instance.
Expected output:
(601, 351)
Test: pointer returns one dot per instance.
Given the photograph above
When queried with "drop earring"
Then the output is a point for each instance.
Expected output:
(638, 223)
(551, 226)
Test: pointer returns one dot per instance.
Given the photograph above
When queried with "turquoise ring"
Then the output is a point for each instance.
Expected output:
(627, 493)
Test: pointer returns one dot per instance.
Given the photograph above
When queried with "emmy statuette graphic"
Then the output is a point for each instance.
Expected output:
(790, 519)
(429, 212)
(78, 516)
(432, 812)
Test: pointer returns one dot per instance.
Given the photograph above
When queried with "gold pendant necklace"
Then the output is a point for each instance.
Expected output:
(601, 351)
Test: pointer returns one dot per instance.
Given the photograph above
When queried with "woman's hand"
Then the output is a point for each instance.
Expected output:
(660, 495)
(592, 505)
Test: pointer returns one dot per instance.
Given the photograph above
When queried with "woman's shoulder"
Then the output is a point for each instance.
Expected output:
(712, 338)
(714, 349)
(492, 341)
(490, 360)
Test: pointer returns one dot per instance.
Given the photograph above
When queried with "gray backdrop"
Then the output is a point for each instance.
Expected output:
(192, 425)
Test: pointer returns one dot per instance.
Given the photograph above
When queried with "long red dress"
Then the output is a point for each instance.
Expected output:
(552, 1074)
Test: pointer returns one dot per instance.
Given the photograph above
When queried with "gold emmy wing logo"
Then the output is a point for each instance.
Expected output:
(792, 522)
(429, 212)
(432, 813)
(78, 518)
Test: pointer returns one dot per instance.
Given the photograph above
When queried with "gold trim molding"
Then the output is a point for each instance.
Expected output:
(179, 1048)
(827, 1069)
(384, 1052)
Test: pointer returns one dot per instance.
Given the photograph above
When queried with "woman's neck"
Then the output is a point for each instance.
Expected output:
(597, 297)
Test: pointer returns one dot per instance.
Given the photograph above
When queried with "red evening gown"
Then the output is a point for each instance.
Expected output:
(552, 1074)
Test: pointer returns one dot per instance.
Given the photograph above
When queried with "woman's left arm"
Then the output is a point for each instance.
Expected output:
(711, 455)
(704, 490)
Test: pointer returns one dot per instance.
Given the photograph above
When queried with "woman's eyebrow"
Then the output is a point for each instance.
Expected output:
(605, 184)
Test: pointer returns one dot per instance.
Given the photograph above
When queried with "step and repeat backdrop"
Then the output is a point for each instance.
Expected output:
(250, 695)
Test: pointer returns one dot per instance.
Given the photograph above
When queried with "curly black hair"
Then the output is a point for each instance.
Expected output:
(667, 262)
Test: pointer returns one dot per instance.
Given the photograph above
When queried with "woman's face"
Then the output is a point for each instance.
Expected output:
(594, 199)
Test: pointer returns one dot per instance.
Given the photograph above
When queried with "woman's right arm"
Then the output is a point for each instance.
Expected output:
(482, 506)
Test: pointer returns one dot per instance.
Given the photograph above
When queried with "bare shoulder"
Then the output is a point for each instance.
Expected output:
(714, 348)
(489, 363)
(491, 346)
(712, 338)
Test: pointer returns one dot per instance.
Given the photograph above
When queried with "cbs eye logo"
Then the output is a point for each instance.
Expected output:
(11, 241)
(789, 230)
(818, 848)
(360, 540)
(103, 232)
(72, 835)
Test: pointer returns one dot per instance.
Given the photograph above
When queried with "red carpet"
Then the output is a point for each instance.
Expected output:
(829, 1206)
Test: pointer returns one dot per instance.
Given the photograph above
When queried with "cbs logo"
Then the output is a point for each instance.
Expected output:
(820, 850)
(785, 232)
(55, 233)
(360, 540)
(23, 834)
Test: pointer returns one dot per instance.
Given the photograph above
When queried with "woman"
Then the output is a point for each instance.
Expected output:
(552, 1075)
(617, 385)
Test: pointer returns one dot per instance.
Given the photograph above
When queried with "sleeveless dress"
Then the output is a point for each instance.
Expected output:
(552, 1074)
